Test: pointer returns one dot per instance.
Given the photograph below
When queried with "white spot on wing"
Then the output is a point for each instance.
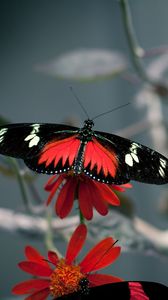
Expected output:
(163, 163)
(33, 137)
(135, 157)
(34, 141)
(2, 133)
(129, 160)
(30, 137)
(135, 146)
(132, 156)
(162, 167)
(161, 172)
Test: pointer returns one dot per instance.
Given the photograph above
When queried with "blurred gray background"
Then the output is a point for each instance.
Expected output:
(33, 32)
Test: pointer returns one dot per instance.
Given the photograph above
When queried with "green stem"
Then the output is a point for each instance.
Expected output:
(81, 217)
(49, 239)
(49, 234)
(135, 50)
(21, 182)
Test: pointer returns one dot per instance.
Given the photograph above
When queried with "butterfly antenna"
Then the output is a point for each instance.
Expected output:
(79, 102)
(109, 111)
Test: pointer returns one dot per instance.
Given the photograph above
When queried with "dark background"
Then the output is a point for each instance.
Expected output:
(33, 32)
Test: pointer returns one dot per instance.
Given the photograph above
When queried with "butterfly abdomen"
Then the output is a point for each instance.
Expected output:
(85, 135)
(78, 164)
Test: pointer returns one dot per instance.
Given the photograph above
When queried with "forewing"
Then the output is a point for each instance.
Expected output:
(135, 161)
(27, 141)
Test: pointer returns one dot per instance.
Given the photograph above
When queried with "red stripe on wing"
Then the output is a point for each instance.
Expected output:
(136, 291)
(65, 149)
(101, 158)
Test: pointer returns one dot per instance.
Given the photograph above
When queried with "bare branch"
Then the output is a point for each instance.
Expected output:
(19, 222)
(36, 226)
(155, 235)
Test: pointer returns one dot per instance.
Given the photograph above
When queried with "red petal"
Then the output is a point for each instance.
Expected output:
(127, 185)
(107, 194)
(56, 185)
(100, 256)
(100, 279)
(97, 199)
(76, 242)
(137, 292)
(117, 188)
(30, 286)
(41, 295)
(35, 269)
(85, 202)
(33, 255)
(53, 257)
(66, 197)
(51, 182)
(121, 188)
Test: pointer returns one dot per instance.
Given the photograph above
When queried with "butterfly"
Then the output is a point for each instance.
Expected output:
(126, 290)
(104, 157)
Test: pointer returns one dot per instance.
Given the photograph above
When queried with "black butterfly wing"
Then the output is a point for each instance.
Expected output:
(126, 290)
(27, 140)
(135, 161)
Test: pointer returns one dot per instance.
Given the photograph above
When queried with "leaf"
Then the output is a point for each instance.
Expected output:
(86, 65)
(3, 120)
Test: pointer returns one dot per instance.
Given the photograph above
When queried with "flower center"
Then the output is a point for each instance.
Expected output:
(65, 279)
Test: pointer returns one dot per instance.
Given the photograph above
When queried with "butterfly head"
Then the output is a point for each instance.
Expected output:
(88, 124)
(85, 133)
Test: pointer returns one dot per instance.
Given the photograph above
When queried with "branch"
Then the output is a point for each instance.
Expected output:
(37, 226)
(155, 235)
(136, 52)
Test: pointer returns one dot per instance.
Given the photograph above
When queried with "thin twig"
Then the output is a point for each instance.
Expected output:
(155, 235)
(136, 52)
(134, 129)
(15, 167)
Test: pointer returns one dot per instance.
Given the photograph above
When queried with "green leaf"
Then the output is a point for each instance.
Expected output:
(86, 65)
(3, 120)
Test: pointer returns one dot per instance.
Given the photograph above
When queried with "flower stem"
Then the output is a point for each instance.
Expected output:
(136, 52)
(49, 238)
(15, 167)
(81, 217)
(49, 234)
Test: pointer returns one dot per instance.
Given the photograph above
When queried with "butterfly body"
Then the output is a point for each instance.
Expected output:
(107, 158)
(84, 287)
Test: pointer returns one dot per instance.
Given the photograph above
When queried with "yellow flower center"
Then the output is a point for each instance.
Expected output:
(65, 279)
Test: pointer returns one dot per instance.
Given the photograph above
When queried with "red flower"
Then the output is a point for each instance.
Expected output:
(90, 194)
(57, 277)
